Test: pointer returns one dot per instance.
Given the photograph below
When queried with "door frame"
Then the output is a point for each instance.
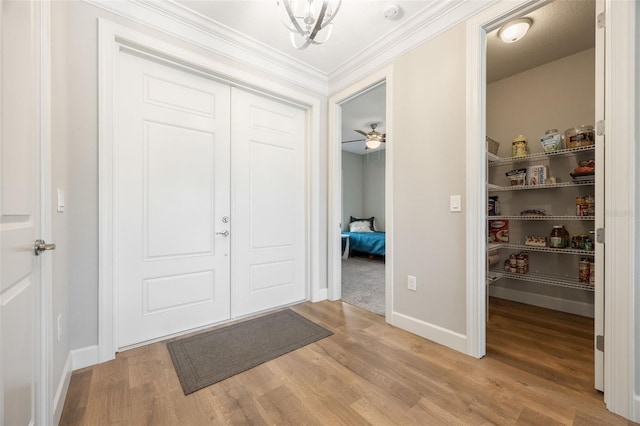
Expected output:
(111, 39)
(334, 241)
(619, 274)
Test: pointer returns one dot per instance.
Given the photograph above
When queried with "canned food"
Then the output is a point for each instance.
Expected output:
(583, 270)
(590, 202)
(581, 206)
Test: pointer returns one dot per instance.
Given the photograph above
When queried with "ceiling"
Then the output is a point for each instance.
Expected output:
(357, 25)
(560, 28)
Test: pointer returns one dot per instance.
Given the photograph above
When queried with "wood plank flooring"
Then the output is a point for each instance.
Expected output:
(538, 371)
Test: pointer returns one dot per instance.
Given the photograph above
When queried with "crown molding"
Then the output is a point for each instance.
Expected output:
(181, 23)
(426, 24)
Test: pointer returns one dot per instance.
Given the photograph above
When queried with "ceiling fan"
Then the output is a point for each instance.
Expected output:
(373, 139)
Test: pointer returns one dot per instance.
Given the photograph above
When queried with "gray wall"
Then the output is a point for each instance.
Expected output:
(352, 187)
(81, 74)
(363, 187)
(374, 178)
(429, 105)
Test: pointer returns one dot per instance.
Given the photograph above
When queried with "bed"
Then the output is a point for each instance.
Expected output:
(363, 237)
(367, 242)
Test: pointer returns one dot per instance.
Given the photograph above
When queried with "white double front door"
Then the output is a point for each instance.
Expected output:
(209, 198)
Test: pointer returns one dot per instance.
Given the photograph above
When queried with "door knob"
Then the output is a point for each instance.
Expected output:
(41, 246)
(224, 234)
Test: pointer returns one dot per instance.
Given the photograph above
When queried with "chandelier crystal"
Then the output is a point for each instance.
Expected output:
(309, 21)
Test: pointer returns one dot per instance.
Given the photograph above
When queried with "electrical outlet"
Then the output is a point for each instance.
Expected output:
(59, 327)
(411, 283)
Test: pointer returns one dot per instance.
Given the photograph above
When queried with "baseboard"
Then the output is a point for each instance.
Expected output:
(636, 409)
(320, 295)
(549, 302)
(61, 391)
(448, 338)
(84, 357)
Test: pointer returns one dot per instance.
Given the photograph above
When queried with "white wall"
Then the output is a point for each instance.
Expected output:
(556, 95)
(560, 95)
(59, 179)
(429, 109)
(82, 148)
(363, 187)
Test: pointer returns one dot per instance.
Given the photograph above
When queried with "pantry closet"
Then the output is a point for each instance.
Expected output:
(543, 187)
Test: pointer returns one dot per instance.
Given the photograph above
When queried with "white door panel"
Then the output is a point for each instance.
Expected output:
(20, 347)
(269, 178)
(172, 191)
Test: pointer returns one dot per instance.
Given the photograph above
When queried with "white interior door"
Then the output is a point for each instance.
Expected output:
(20, 347)
(172, 200)
(269, 193)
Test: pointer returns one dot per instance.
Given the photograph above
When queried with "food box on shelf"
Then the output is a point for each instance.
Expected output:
(534, 241)
(536, 175)
(498, 231)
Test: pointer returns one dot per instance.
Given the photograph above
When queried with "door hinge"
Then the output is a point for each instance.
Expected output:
(600, 343)
(600, 128)
(600, 235)
(600, 20)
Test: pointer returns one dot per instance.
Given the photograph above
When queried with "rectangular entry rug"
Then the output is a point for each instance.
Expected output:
(207, 358)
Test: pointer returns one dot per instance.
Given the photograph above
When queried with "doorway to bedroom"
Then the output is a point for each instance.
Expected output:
(363, 166)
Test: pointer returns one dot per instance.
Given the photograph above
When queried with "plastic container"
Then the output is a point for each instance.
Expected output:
(551, 140)
(579, 136)
(519, 147)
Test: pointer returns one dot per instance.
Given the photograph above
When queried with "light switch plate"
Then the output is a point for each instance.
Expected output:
(455, 203)
(60, 200)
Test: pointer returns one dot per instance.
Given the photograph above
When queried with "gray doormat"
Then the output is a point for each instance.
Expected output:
(207, 358)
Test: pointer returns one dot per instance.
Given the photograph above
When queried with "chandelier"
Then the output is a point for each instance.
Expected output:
(307, 24)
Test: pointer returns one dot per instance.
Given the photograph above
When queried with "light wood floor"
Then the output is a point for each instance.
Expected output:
(538, 371)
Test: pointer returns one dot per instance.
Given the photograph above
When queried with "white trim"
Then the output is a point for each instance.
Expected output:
(61, 390)
(620, 191)
(113, 37)
(84, 357)
(550, 302)
(334, 196)
(321, 294)
(477, 27)
(435, 333)
(179, 22)
(431, 21)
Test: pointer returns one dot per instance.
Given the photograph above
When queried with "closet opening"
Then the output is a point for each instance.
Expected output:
(545, 196)
(363, 218)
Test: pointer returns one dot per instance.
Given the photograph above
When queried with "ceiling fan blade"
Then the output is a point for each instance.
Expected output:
(355, 140)
(361, 132)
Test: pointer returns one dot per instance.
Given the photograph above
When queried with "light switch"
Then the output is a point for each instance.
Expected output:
(455, 203)
(60, 200)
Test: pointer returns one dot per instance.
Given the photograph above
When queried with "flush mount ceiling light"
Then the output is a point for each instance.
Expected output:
(309, 21)
(515, 30)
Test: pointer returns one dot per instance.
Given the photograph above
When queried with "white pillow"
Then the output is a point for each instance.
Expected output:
(360, 226)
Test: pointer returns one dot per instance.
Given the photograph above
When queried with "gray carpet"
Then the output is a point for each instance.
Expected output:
(204, 359)
(363, 283)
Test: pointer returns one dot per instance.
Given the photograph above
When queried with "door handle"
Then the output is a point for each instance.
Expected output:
(41, 246)
(224, 234)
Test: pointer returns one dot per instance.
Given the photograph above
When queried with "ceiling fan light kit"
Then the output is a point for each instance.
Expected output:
(514, 30)
(309, 21)
(373, 138)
